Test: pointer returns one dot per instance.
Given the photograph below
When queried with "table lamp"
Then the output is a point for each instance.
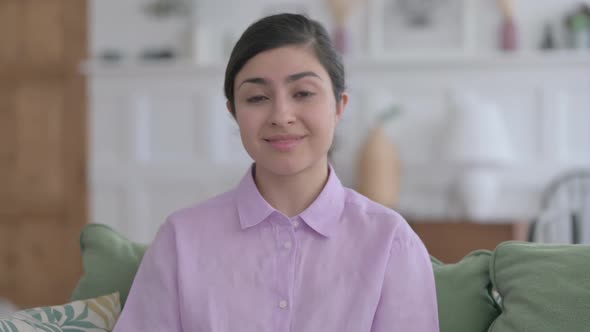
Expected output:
(478, 147)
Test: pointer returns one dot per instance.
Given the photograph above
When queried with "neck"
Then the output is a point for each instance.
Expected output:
(292, 194)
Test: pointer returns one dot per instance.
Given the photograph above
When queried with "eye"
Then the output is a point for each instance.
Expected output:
(303, 94)
(256, 99)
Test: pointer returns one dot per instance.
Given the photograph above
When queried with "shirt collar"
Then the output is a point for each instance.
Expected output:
(322, 215)
(252, 207)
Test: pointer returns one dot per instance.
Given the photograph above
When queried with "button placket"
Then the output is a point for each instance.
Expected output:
(286, 238)
(286, 246)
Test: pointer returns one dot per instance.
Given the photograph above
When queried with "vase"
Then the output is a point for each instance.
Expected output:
(378, 169)
(341, 39)
(508, 35)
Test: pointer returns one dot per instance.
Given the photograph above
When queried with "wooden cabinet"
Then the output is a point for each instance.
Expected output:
(450, 240)
(42, 149)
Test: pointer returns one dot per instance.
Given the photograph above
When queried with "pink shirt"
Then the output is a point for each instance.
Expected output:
(234, 263)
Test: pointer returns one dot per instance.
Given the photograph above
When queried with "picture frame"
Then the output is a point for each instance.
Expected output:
(420, 27)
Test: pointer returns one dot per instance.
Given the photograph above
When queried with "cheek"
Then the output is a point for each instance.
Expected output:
(328, 117)
(249, 124)
(323, 126)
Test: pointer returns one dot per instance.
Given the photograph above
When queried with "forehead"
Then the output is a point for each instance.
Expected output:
(278, 63)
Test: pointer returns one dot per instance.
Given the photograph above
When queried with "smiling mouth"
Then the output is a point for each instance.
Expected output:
(284, 142)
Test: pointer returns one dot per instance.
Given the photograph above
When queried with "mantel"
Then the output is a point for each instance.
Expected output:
(405, 62)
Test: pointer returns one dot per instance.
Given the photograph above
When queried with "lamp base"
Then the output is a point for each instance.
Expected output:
(477, 189)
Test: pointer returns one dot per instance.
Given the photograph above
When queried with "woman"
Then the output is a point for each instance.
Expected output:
(290, 248)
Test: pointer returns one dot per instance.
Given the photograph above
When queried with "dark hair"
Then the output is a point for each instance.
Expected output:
(283, 30)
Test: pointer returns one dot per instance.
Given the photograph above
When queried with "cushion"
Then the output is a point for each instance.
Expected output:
(95, 315)
(110, 262)
(464, 301)
(543, 287)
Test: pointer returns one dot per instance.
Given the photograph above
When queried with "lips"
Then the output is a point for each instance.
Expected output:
(276, 138)
(284, 142)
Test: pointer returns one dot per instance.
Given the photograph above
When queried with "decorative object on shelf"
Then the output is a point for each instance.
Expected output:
(184, 10)
(110, 55)
(341, 11)
(548, 41)
(158, 54)
(166, 8)
(478, 147)
(508, 28)
(414, 27)
(578, 27)
(418, 13)
(378, 169)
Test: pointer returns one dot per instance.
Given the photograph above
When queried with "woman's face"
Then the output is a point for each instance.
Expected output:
(286, 110)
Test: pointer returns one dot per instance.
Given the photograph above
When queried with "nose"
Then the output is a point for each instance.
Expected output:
(283, 113)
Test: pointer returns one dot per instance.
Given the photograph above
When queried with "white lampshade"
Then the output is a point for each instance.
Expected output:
(476, 135)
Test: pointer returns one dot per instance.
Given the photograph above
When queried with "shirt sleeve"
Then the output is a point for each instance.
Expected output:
(152, 304)
(408, 296)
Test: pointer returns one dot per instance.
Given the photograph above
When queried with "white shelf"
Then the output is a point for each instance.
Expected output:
(398, 62)
(555, 58)
(151, 67)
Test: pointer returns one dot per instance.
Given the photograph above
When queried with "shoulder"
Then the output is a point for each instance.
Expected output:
(374, 215)
(220, 207)
(361, 206)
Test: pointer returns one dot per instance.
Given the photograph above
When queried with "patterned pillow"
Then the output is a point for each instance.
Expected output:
(92, 315)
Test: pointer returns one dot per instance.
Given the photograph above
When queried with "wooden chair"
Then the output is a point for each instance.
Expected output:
(565, 210)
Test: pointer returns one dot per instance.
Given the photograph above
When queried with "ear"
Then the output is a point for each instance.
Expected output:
(228, 106)
(341, 106)
(230, 109)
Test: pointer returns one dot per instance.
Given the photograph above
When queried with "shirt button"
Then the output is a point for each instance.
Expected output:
(288, 245)
(283, 304)
(296, 223)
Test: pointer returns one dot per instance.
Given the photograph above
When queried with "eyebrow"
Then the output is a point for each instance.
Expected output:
(289, 79)
(295, 77)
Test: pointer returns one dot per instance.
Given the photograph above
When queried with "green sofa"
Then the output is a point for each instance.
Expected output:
(517, 287)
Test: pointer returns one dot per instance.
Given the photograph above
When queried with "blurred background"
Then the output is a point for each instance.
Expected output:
(469, 117)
